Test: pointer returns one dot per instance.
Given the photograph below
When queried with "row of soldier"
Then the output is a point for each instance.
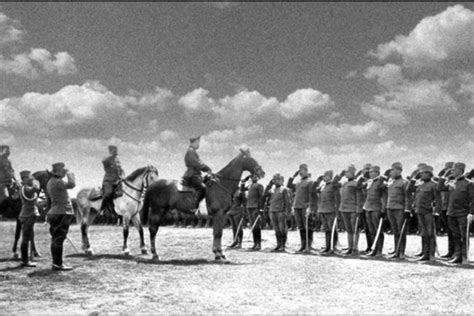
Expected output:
(363, 199)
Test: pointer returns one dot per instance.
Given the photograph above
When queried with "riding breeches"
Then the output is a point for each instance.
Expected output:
(59, 227)
(27, 224)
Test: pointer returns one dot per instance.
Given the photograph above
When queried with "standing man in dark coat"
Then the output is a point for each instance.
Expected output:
(60, 214)
(425, 194)
(7, 174)
(460, 209)
(255, 209)
(236, 216)
(112, 178)
(302, 204)
(192, 176)
(29, 212)
(443, 217)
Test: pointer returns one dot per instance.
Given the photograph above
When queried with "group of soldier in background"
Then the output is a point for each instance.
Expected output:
(362, 200)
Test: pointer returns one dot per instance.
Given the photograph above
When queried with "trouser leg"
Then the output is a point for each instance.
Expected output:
(59, 227)
(27, 235)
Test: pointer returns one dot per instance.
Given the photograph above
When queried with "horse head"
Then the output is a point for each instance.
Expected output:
(250, 164)
(151, 175)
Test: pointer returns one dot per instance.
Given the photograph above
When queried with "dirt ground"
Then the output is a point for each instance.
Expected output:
(187, 280)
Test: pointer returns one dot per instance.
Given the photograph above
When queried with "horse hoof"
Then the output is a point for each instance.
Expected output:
(16, 256)
(218, 258)
(126, 252)
(89, 252)
(155, 258)
(144, 252)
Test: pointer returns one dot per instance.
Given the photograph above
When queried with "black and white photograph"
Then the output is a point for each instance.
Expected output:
(236, 158)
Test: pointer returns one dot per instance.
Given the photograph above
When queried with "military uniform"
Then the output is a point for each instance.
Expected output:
(7, 173)
(443, 218)
(236, 215)
(28, 214)
(397, 203)
(460, 204)
(374, 208)
(350, 207)
(60, 214)
(329, 204)
(301, 202)
(255, 208)
(112, 178)
(192, 176)
(424, 194)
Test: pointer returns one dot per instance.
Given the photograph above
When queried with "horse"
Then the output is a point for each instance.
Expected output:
(42, 177)
(127, 206)
(163, 196)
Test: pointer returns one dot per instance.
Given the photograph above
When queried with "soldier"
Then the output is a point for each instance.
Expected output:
(192, 176)
(237, 216)
(7, 174)
(425, 194)
(112, 179)
(397, 208)
(29, 212)
(460, 208)
(302, 204)
(350, 207)
(61, 213)
(255, 209)
(280, 207)
(330, 200)
(374, 207)
(362, 176)
(443, 218)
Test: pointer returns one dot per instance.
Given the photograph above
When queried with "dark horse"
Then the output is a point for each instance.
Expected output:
(163, 196)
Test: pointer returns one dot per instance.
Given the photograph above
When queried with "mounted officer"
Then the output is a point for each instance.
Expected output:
(112, 183)
(192, 177)
(7, 175)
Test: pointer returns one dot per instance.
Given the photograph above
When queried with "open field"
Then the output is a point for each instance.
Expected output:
(188, 280)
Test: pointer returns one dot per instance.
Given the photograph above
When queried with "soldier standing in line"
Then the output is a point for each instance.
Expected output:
(280, 207)
(255, 209)
(60, 214)
(424, 195)
(29, 213)
(397, 209)
(351, 206)
(374, 207)
(112, 179)
(460, 208)
(443, 218)
(237, 216)
(361, 176)
(302, 204)
(330, 200)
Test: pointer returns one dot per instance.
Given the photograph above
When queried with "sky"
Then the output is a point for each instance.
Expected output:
(327, 84)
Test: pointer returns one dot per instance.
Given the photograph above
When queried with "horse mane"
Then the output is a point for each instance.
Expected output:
(230, 164)
(135, 174)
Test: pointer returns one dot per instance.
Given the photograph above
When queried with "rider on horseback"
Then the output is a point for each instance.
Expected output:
(192, 177)
(112, 179)
(7, 175)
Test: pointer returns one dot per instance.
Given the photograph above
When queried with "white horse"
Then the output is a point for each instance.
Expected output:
(128, 205)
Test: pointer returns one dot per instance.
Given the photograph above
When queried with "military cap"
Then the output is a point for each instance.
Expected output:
(329, 174)
(351, 168)
(58, 167)
(427, 168)
(460, 165)
(112, 148)
(367, 166)
(449, 164)
(397, 165)
(304, 166)
(421, 165)
(193, 139)
(375, 168)
(25, 174)
(277, 176)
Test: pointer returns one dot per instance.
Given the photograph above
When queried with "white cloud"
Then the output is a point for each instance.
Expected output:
(343, 133)
(471, 121)
(197, 100)
(304, 101)
(445, 36)
(33, 64)
(379, 113)
(388, 75)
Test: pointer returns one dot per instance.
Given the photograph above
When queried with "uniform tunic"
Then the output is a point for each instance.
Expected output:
(461, 196)
(255, 196)
(423, 196)
(193, 163)
(302, 192)
(60, 201)
(396, 194)
(376, 195)
(113, 170)
(351, 197)
(6, 171)
(330, 200)
(29, 201)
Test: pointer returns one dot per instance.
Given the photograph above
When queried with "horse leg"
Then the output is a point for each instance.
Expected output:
(17, 237)
(138, 225)
(218, 225)
(126, 225)
(153, 226)
(87, 219)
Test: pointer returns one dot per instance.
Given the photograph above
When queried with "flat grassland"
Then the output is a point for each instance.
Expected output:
(187, 280)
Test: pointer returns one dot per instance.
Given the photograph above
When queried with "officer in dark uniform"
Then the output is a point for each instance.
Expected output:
(443, 218)
(29, 213)
(60, 214)
(7, 174)
(112, 178)
(237, 217)
(460, 208)
(192, 176)
(255, 209)
(425, 194)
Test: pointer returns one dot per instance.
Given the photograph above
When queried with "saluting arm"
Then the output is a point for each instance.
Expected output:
(71, 181)
(442, 185)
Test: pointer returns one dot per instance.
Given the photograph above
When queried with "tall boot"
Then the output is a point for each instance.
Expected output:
(432, 246)
(254, 235)
(303, 240)
(310, 239)
(350, 242)
(284, 236)
(278, 239)
(240, 236)
(458, 251)
(425, 247)
(328, 242)
(258, 238)
(396, 238)
(450, 247)
(420, 253)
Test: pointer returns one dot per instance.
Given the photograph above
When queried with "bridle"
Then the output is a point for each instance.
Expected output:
(142, 190)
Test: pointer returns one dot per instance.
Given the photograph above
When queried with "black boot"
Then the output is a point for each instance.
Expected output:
(303, 240)
(396, 237)
(328, 242)
(310, 239)
(425, 249)
(284, 236)
(258, 240)
(432, 245)
(450, 247)
(457, 256)
(420, 254)
(278, 246)
(350, 241)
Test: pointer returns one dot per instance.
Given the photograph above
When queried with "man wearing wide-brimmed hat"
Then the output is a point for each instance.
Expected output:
(425, 193)
(460, 208)
(192, 176)
(112, 178)
(60, 214)
(29, 212)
